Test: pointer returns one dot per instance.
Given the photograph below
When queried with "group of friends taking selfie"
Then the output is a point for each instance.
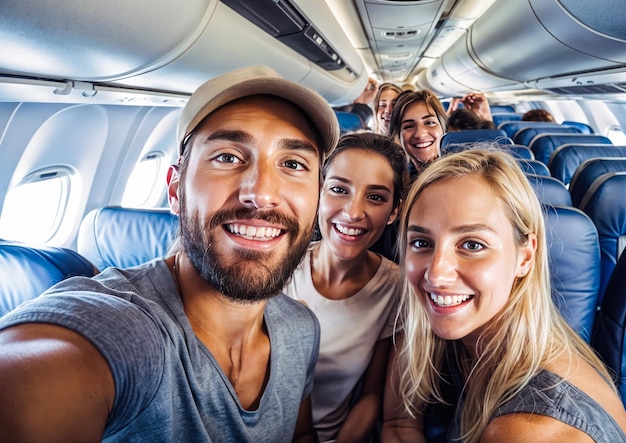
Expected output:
(323, 288)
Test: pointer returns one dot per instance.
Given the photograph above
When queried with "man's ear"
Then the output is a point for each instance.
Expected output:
(173, 181)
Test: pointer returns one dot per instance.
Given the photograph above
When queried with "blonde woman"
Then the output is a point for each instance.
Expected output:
(477, 298)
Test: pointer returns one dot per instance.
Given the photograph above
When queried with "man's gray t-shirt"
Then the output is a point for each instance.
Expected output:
(169, 388)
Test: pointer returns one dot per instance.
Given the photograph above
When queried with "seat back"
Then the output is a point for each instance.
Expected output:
(519, 151)
(349, 121)
(543, 145)
(526, 136)
(533, 167)
(27, 271)
(501, 108)
(584, 127)
(605, 204)
(609, 333)
(124, 237)
(501, 117)
(574, 260)
(549, 190)
(567, 158)
(512, 127)
(474, 136)
(588, 171)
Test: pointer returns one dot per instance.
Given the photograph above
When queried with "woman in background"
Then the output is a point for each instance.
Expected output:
(353, 291)
(384, 102)
(478, 300)
(419, 121)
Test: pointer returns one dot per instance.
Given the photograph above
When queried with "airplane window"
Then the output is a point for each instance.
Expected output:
(144, 188)
(33, 210)
(616, 135)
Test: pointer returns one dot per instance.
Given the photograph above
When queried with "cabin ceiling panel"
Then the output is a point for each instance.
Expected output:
(95, 40)
(399, 26)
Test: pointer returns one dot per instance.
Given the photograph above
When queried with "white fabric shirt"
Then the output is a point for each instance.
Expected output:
(349, 330)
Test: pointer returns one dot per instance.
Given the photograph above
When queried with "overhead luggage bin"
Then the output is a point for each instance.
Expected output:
(527, 42)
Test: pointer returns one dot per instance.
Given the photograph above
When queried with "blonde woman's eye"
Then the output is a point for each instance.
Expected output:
(473, 246)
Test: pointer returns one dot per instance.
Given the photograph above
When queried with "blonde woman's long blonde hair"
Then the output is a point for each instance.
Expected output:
(535, 332)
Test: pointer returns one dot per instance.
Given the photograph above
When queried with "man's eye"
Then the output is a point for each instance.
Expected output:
(295, 165)
(227, 158)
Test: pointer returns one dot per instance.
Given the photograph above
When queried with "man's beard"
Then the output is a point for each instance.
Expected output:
(243, 276)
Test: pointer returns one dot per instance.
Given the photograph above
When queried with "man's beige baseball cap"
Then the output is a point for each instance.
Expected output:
(255, 80)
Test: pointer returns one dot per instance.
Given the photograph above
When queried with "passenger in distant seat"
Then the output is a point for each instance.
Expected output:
(418, 122)
(198, 347)
(462, 119)
(537, 115)
(476, 102)
(353, 292)
(384, 102)
(478, 301)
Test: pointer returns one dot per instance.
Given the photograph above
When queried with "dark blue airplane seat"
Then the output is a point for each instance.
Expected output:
(609, 333)
(549, 190)
(574, 260)
(27, 271)
(474, 136)
(501, 108)
(533, 167)
(520, 151)
(526, 136)
(588, 171)
(543, 145)
(567, 158)
(584, 127)
(349, 121)
(501, 117)
(517, 151)
(605, 204)
(125, 237)
(513, 127)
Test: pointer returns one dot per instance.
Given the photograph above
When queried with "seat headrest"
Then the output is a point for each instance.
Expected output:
(549, 190)
(568, 157)
(27, 271)
(349, 121)
(450, 139)
(533, 167)
(544, 145)
(526, 136)
(588, 171)
(512, 127)
(574, 260)
(124, 237)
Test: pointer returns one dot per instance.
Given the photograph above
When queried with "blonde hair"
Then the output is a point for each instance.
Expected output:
(536, 333)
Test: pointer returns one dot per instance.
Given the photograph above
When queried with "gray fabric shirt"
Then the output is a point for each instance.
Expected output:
(548, 394)
(169, 387)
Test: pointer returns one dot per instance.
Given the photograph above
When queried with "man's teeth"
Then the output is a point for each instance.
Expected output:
(449, 300)
(348, 231)
(254, 232)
